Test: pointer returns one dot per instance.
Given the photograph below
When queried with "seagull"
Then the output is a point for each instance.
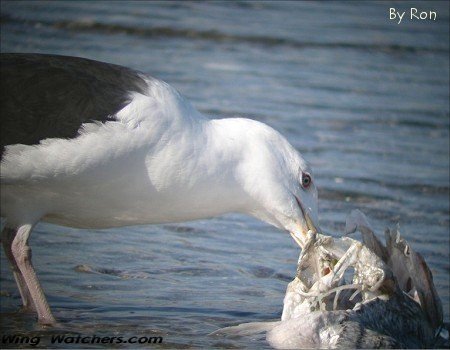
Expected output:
(88, 144)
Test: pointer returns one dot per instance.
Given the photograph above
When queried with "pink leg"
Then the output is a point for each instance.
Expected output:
(8, 235)
(22, 254)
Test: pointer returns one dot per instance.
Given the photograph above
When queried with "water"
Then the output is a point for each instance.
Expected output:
(363, 98)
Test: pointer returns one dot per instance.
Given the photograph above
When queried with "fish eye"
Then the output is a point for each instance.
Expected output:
(306, 180)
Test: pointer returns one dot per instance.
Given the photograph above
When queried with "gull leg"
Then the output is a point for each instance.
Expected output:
(22, 254)
(8, 235)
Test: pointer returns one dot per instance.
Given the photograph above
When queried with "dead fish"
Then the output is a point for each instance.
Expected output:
(408, 266)
(348, 294)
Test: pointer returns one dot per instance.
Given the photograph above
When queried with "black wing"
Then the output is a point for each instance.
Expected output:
(45, 96)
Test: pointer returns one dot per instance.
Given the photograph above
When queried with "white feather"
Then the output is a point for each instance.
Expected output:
(159, 161)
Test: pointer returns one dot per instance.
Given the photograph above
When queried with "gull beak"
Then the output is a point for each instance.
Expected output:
(310, 223)
(297, 239)
(300, 235)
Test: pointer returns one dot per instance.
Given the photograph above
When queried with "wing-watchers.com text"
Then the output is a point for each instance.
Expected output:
(80, 339)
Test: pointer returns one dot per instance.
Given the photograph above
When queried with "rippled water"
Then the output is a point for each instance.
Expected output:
(363, 98)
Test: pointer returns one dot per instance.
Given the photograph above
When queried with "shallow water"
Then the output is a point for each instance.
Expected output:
(363, 98)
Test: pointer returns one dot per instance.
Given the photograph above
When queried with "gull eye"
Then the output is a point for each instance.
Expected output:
(306, 180)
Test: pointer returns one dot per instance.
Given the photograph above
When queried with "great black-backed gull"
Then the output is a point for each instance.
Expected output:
(88, 144)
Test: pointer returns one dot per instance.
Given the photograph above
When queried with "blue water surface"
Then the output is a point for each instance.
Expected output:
(364, 99)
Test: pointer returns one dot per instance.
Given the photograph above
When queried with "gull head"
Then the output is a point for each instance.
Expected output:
(279, 183)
